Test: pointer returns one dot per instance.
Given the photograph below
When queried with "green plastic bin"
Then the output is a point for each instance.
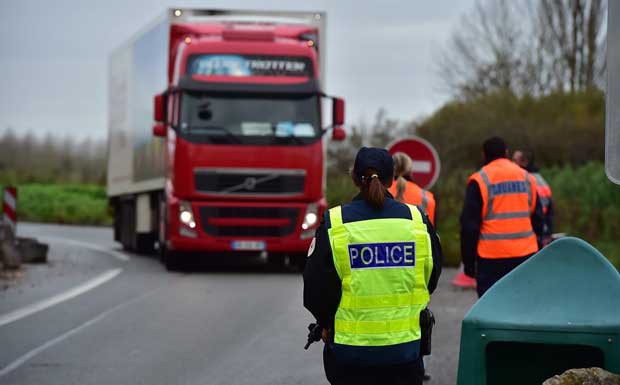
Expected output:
(557, 311)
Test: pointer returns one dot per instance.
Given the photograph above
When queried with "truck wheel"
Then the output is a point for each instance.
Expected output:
(126, 220)
(298, 262)
(171, 260)
(276, 259)
(145, 243)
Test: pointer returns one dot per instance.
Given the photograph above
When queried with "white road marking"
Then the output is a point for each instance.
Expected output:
(55, 300)
(422, 166)
(118, 255)
(24, 358)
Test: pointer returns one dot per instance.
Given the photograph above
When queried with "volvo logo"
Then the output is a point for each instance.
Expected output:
(249, 183)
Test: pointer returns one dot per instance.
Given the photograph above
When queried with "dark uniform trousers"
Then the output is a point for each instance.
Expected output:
(410, 373)
(492, 270)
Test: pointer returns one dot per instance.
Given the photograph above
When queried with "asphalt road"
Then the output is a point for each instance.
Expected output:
(96, 315)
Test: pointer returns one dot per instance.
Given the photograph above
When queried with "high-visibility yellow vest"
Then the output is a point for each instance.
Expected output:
(384, 266)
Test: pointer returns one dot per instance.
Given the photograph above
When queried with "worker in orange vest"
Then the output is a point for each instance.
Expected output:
(525, 159)
(407, 191)
(501, 220)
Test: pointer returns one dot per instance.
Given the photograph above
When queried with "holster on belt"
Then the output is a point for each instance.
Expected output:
(427, 321)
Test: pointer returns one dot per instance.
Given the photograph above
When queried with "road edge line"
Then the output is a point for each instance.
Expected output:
(34, 352)
(118, 255)
(59, 298)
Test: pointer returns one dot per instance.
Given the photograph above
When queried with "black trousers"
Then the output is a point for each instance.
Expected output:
(490, 271)
(409, 373)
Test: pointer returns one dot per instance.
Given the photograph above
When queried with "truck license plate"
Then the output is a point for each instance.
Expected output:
(248, 245)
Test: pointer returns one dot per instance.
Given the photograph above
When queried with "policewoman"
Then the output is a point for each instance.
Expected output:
(370, 271)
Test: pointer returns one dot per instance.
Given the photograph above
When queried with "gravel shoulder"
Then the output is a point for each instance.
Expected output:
(68, 265)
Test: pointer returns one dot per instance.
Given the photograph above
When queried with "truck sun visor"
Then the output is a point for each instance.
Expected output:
(188, 83)
(249, 65)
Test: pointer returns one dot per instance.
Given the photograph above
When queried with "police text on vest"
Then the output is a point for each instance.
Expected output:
(373, 255)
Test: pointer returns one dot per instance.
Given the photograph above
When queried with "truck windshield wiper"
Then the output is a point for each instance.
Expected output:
(222, 129)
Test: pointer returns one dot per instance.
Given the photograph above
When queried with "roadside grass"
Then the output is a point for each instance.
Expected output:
(63, 203)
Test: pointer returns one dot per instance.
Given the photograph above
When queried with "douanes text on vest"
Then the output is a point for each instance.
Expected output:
(394, 254)
(517, 187)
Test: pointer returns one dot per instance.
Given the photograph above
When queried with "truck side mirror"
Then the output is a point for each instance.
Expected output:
(158, 108)
(337, 112)
(338, 134)
(159, 129)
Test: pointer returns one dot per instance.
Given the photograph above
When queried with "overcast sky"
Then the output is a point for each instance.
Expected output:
(54, 55)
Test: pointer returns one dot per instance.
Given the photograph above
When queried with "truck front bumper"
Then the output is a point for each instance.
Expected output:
(245, 227)
(184, 244)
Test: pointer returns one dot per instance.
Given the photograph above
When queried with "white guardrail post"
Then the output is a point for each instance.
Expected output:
(10, 258)
(9, 208)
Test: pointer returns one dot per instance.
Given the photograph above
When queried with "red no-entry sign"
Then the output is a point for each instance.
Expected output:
(426, 164)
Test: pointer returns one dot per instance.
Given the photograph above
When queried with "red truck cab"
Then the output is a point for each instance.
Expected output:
(242, 125)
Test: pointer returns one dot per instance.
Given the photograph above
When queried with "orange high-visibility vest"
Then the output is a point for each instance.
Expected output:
(415, 195)
(544, 192)
(508, 200)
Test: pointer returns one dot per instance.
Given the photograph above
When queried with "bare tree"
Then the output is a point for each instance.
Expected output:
(528, 47)
(488, 51)
(28, 158)
(571, 38)
(383, 130)
(379, 133)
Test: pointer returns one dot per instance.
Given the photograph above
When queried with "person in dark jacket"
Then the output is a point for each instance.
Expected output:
(369, 235)
(525, 159)
(496, 262)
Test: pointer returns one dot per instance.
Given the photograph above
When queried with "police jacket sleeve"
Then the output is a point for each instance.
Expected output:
(471, 220)
(322, 287)
(432, 277)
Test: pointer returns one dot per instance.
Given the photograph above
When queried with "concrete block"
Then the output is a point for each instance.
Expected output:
(31, 250)
(10, 257)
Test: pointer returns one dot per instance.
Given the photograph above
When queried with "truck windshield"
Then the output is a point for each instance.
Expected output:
(256, 120)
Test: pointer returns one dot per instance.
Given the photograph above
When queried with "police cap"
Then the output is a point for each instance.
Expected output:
(375, 158)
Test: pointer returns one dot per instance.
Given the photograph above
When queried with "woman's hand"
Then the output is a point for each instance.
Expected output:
(324, 335)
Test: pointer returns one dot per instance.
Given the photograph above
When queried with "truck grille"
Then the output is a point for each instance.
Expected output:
(220, 221)
(248, 182)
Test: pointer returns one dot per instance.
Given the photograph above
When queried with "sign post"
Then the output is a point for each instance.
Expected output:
(426, 165)
(9, 208)
(612, 94)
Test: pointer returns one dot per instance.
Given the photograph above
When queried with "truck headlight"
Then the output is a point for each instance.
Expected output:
(186, 216)
(311, 218)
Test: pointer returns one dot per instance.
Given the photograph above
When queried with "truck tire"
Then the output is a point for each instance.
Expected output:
(171, 260)
(126, 226)
(298, 262)
(145, 243)
(276, 262)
